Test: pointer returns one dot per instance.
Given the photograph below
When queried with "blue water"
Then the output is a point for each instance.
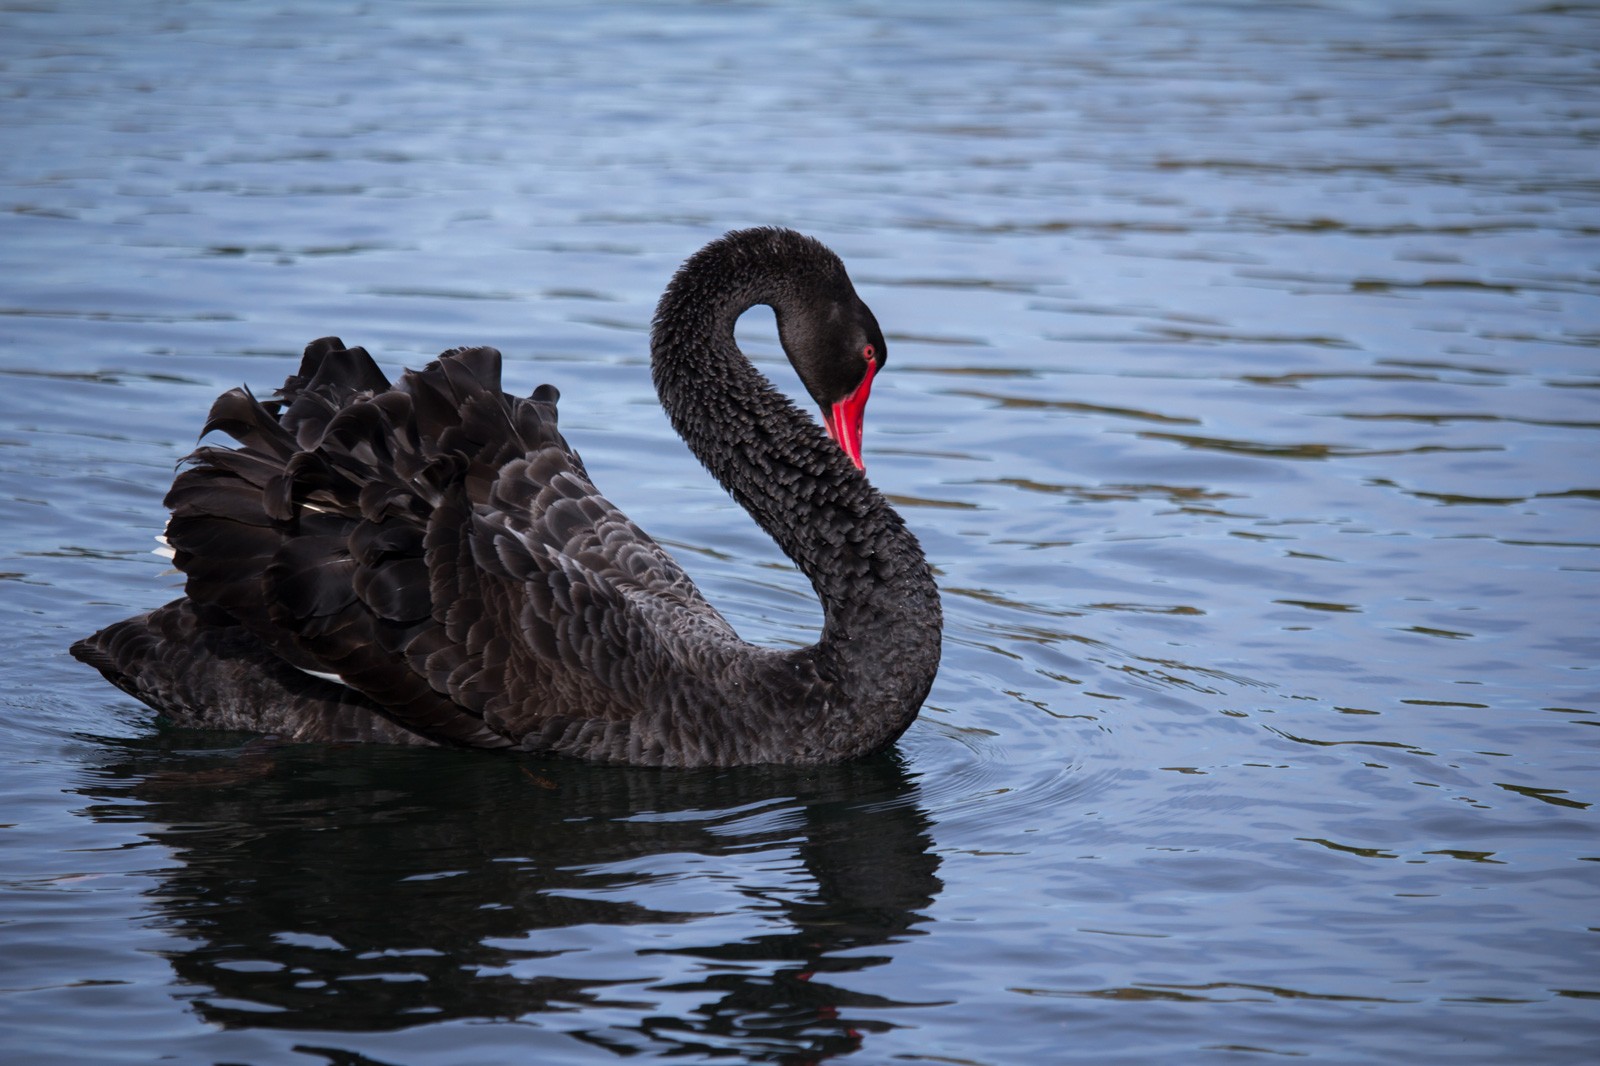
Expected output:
(1244, 388)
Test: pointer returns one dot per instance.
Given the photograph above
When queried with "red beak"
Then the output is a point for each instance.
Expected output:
(844, 419)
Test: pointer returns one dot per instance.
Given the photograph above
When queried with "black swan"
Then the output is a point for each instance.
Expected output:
(427, 562)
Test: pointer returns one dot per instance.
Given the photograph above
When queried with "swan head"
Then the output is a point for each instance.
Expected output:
(827, 331)
(836, 347)
(844, 417)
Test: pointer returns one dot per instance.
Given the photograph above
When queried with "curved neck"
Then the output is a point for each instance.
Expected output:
(882, 619)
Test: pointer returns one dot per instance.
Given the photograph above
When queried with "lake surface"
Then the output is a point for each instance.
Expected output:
(1244, 388)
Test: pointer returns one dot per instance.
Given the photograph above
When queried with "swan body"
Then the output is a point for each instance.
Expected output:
(427, 561)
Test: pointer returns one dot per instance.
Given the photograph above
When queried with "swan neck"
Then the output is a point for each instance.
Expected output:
(878, 596)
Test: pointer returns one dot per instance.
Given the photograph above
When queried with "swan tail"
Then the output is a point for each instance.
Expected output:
(209, 672)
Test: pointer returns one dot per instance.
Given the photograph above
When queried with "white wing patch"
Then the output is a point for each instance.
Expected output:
(335, 678)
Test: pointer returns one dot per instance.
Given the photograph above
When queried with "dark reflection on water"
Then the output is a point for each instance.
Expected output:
(358, 890)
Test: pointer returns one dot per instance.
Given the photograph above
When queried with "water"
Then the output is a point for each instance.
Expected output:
(1244, 386)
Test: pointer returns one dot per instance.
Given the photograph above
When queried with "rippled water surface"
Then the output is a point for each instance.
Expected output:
(1244, 390)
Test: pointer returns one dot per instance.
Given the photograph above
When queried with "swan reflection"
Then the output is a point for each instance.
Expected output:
(373, 889)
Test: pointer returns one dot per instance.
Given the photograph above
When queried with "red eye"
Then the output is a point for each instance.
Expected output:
(869, 353)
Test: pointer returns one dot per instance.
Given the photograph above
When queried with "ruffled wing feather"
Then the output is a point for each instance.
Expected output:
(437, 546)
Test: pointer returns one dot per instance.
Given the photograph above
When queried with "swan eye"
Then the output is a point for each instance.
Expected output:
(870, 354)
